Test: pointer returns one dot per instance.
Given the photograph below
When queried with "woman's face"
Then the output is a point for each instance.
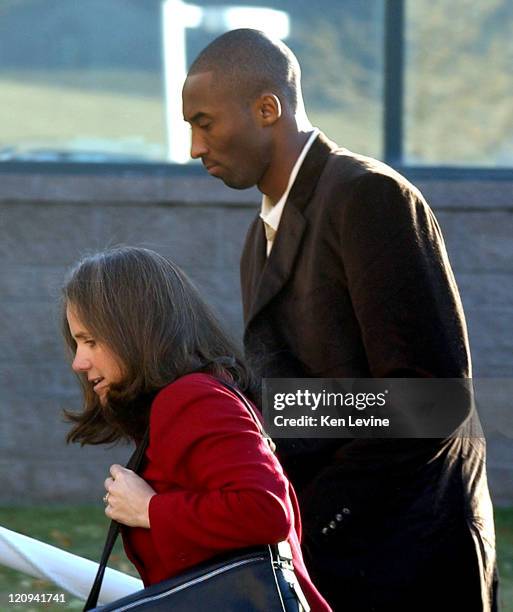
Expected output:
(93, 358)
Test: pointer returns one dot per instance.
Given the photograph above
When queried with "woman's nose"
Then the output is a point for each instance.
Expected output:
(81, 363)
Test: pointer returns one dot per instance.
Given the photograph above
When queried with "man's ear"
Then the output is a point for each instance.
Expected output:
(267, 109)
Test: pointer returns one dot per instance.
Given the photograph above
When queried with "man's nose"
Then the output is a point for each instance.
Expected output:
(198, 146)
(81, 363)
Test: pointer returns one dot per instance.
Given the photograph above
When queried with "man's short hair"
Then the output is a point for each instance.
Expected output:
(251, 63)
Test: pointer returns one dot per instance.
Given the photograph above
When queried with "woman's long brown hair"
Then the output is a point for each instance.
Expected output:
(149, 314)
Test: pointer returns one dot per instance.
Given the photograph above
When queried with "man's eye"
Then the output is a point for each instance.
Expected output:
(90, 342)
(205, 126)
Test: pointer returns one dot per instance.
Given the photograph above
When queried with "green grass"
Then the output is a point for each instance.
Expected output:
(504, 529)
(81, 530)
(77, 529)
(73, 117)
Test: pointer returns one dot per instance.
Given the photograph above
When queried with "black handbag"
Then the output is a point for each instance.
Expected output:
(258, 579)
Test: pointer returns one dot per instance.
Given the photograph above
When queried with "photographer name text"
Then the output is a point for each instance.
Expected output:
(328, 421)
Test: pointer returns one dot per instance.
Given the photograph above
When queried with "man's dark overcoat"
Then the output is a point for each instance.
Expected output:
(358, 284)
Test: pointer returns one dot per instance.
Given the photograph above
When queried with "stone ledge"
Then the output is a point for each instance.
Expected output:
(199, 190)
(114, 189)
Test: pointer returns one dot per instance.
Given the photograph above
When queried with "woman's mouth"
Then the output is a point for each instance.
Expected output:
(97, 384)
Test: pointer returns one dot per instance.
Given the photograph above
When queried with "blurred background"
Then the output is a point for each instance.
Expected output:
(94, 152)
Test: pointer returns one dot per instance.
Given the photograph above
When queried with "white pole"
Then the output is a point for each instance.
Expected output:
(176, 17)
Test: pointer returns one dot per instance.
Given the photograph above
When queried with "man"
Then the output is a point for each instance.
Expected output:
(345, 274)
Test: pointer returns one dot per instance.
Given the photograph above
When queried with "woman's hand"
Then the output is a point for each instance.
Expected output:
(128, 497)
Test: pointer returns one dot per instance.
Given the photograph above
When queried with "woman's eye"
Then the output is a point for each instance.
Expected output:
(90, 342)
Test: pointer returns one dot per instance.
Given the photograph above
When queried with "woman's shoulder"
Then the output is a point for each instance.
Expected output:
(191, 391)
(191, 385)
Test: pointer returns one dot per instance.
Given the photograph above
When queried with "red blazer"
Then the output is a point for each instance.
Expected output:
(218, 485)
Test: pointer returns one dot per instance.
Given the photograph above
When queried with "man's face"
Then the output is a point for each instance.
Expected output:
(226, 134)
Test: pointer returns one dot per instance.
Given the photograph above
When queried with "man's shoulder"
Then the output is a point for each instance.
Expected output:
(354, 184)
(352, 177)
(344, 165)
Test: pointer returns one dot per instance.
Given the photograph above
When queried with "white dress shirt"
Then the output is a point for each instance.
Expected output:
(271, 213)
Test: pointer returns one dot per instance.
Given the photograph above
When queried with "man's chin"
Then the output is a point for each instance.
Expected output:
(223, 174)
(234, 184)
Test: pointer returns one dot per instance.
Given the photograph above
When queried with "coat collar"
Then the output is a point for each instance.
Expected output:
(263, 277)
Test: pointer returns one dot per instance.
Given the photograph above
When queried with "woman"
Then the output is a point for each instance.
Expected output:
(149, 351)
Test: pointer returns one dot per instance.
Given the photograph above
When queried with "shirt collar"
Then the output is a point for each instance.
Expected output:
(270, 213)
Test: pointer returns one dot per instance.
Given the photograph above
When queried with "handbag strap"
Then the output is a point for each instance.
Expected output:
(134, 464)
(252, 412)
(281, 552)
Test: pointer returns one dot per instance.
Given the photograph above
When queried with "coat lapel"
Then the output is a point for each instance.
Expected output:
(263, 277)
(252, 263)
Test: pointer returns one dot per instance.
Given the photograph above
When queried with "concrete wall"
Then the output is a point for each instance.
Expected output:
(48, 221)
